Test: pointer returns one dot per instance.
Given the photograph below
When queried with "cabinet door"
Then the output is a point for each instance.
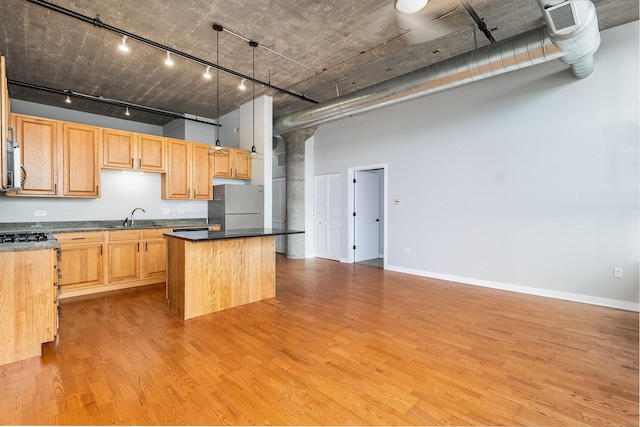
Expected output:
(151, 153)
(222, 167)
(201, 172)
(242, 164)
(118, 149)
(176, 182)
(81, 265)
(81, 155)
(154, 258)
(38, 139)
(124, 261)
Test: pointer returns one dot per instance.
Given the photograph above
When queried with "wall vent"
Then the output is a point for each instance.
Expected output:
(282, 160)
(562, 18)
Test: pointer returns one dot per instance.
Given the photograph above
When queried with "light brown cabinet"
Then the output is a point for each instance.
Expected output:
(100, 261)
(124, 255)
(27, 300)
(82, 256)
(232, 164)
(132, 151)
(39, 140)
(154, 255)
(80, 160)
(136, 255)
(61, 159)
(189, 173)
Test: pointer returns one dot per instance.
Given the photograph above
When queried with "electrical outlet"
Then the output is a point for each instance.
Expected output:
(41, 213)
(405, 250)
(398, 201)
(166, 211)
(617, 272)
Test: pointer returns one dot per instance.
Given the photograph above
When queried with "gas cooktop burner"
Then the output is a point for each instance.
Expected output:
(23, 237)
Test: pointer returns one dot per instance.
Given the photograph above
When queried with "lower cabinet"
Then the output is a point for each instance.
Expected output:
(27, 303)
(154, 254)
(124, 255)
(93, 262)
(81, 259)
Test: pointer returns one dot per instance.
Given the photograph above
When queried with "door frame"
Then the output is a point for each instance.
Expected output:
(351, 173)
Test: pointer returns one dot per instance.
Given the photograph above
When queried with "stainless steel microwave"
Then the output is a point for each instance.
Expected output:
(10, 165)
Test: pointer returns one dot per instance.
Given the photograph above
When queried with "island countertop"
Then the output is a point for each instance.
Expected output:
(203, 236)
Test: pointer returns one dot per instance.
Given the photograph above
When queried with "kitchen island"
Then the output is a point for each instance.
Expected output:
(209, 271)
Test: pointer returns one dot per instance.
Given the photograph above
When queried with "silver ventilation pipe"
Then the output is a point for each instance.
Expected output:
(577, 44)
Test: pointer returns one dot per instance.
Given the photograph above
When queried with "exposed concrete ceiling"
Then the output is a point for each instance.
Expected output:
(350, 43)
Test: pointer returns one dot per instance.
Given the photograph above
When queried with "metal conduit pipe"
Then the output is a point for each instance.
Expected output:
(521, 51)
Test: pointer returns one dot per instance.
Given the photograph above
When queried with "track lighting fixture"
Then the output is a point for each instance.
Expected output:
(169, 61)
(126, 112)
(207, 74)
(68, 100)
(242, 86)
(123, 46)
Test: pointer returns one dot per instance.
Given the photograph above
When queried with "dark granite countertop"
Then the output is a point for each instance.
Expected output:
(29, 246)
(203, 236)
(70, 226)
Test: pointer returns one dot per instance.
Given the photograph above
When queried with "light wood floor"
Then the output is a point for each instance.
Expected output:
(341, 345)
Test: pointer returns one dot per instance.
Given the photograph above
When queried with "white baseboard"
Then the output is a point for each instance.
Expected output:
(587, 299)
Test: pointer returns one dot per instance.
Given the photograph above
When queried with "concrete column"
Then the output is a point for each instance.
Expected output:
(294, 143)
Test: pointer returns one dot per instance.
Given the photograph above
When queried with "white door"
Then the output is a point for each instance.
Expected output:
(279, 211)
(367, 218)
(328, 216)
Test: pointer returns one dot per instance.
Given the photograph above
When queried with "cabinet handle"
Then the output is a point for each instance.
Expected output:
(146, 246)
(78, 238)
(140, 163)
(55, 188)
(188, 193)
(97, 190)
(132, 162)
(230, 172)
(100, 250)
(138, 246)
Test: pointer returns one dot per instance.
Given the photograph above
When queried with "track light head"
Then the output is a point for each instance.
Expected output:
(68, 100)
(207, 74)
(123, 46)
(242, 86)
(168, 61)
(126, 112)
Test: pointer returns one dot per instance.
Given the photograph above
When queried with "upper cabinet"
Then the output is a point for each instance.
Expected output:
(80, 160)
(189, 173)
(40, 143)
(232, 164)
(133, 151)
(61, 159)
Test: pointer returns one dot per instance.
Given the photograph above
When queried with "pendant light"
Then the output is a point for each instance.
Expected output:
(218, 146)
(253, 153)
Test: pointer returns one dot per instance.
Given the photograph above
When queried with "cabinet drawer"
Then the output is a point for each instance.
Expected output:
(155, 233)
(116, 236)
(79, 237)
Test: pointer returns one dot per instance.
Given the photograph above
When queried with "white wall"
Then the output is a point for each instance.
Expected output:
(528, 181)
(261, 136)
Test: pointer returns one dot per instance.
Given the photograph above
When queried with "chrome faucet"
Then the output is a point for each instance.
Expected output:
(133, 211)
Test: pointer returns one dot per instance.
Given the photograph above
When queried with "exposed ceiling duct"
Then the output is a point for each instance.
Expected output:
(571, 33)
